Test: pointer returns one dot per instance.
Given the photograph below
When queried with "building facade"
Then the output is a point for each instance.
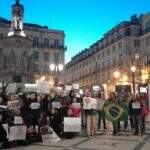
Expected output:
(46, 45)
(125, 45)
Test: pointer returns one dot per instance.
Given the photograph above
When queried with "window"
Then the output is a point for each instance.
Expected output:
(120, 45)
(108, 64)
(128, 32)
(46, 42)
(114, 61)
(35, 55)
(108, 52)
(113, 48)
(103, 65)
(46, 55)
(56, 56)
(36, 41)
(1, 35)
(56, 43)
(46, 69)
(147, 41)
(136, 43)
(103, 53)
(36, 68)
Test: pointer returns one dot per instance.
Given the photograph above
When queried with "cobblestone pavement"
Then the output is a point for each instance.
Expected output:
(102, 140)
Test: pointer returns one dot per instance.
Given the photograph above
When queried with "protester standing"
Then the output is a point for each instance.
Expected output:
(101, 101)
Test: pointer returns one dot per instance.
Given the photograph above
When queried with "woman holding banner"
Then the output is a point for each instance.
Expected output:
(89, 110)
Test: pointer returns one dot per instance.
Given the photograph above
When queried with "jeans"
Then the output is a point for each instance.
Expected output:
(99, 120)
(138, 125)
(115, 128)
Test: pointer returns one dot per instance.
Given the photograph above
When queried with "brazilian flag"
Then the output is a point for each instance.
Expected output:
(115, 112)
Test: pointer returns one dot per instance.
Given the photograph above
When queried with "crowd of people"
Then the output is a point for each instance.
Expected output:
(39, 110)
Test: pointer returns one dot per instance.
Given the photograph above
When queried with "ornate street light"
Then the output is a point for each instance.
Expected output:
(56, 68)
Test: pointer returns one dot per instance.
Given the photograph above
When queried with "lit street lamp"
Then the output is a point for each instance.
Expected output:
(133, 69)
(56, 68)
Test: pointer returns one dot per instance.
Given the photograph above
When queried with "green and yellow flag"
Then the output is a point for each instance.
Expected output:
(115, 112)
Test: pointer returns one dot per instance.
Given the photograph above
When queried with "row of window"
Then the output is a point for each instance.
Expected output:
(98, 66)
(36, 55)
(46, 42)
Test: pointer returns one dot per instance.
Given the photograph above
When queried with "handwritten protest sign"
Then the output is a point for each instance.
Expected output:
(6, 127)
(75, 86)
(30, 87)
(13, 87)
(136, 105)
(87, 104)
(17, 133)
(72, 124)
(56, 105)
(35, 106)
(18, 120)
(93, 103)
(68, 87)
(43, 87)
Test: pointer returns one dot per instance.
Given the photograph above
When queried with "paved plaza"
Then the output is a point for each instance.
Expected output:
(102, 140)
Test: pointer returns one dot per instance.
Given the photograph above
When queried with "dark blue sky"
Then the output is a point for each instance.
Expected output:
(84, 21)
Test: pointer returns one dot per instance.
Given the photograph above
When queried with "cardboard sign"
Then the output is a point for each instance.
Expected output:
(68, 87)
(96, 88)
(18, 120)
(13, 87)
(3, 107)
(30, 87)
(6, 127)
(17, 133)
(72, 124)
(93, 103)
(87, 104)
(136, 105)
(75, 86)
(43, 87)
(56, 105)
(35, 106)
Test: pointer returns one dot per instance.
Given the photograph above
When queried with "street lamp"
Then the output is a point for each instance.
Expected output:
(56, 68)
(133, 69)
(116, 74)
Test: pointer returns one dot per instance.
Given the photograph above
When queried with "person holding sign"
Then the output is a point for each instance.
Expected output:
(101, 101)
(135, 110)
(89, 110)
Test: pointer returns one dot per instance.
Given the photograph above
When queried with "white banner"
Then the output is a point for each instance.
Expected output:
(56, 105)
(35, 105)
(72, 124)
(17, 133)
(75, 86)
(6, 127)
(30, 87)
(43, 87)
(136, 105)
(18, 120)
(87, 104)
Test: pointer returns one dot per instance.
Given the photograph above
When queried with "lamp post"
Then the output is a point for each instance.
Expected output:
(133, 69)
(56, 68)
